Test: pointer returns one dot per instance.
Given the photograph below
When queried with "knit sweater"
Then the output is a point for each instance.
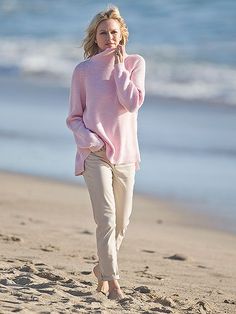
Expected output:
(104, 102)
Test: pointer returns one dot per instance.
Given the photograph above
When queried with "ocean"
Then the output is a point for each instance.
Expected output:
(187, 125)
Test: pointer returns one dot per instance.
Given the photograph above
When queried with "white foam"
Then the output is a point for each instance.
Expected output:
(33, 57)
(170, 76)
(170, 73)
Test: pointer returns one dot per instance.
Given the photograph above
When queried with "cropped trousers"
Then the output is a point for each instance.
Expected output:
(110, 188)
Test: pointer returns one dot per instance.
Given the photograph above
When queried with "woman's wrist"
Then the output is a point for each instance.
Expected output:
(119, 54)
(97, 147)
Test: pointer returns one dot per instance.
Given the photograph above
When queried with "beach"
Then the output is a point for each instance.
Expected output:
(179, 254)
(169, 261)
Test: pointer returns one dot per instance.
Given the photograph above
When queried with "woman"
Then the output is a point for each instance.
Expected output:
(106, 92)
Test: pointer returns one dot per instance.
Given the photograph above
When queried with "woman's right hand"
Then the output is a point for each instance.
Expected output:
(101, 149)
(97, 148)
(119, 54)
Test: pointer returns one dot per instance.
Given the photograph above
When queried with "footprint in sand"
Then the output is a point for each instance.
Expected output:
(166, 304)
(229, 301)
(177, 257)
(126, 302)
(202, 307)
(22, 280)
(92, 259)
(47, 291)
(7, 282)
(143, 289)
(86, 272)
(86, 232)
(27, 269)
(148, 251)
(86, 283)
(69, 283)
(10, 238)
(36, 221)
(161, 309)
(25, 260)
(92, 299)
(49, 275)
(165, 301)
(41, 286)
(64, 300)
(202, 266)
(40, 264)
(147, 274)
(80, 306)
(23, 297)
(3, 290)
(10, 261)
(79, 293)
(49, 248)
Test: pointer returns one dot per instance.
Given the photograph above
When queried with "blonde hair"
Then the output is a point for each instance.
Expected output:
(89, 44)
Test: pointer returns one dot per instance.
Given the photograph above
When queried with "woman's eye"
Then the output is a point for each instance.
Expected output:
(113, 32)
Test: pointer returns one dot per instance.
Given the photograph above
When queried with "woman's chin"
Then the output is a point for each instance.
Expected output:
(107, 48)
(110, 46)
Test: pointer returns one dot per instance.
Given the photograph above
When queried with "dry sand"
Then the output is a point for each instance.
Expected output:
(168, 262)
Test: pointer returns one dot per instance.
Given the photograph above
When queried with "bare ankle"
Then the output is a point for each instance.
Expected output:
(113, 284)
(116, 294)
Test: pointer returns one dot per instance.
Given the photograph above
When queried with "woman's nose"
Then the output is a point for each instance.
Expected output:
(109, 35)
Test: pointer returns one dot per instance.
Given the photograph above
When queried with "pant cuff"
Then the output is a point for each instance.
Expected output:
(109, 278)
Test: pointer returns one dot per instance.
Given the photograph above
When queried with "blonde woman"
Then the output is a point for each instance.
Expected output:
(107, 91)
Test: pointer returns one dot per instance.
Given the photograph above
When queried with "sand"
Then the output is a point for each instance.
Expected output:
(170, 262)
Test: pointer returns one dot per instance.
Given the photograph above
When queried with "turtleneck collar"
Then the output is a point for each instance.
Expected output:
(106, 52)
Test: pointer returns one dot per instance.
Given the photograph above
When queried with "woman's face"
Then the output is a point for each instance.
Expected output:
(108, 34)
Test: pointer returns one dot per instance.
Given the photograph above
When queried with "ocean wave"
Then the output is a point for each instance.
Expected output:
(171, 72)
(192, 81)
(39, 57)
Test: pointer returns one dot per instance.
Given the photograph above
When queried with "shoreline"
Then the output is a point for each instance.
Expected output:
(184, 210)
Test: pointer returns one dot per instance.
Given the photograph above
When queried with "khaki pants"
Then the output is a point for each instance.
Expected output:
(110, 188)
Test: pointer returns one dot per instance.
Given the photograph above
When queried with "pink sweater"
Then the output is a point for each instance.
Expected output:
(104, 102)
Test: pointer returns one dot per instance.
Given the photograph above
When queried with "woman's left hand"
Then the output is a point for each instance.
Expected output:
(119, 54)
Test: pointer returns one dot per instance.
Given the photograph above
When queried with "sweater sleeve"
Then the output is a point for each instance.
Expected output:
(84, 137)
(130, 86)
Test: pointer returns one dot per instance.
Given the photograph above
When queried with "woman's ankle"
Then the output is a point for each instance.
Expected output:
(116, 294)
(113, 284)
